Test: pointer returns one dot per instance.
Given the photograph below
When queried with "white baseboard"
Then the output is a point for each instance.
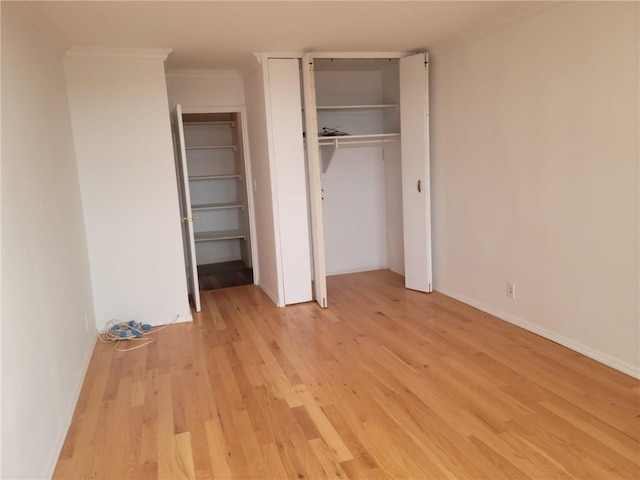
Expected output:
(186, 317)
(596, 355)
(356, 270)
(274, 298)
(72, 407)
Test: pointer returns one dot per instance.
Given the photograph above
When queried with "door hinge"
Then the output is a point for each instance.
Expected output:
(189, 218)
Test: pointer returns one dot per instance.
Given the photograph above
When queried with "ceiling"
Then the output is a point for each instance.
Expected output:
(222, 35)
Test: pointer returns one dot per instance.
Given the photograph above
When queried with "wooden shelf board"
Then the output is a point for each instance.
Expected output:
(216, 206)
(213, 147)
(347, 138)
(222, 122)
(219, 235)
(213, 177)
(357, 107)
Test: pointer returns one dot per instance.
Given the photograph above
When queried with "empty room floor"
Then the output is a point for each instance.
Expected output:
(386, 383)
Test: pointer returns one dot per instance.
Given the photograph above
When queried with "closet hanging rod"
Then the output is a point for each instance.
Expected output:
(336, 142)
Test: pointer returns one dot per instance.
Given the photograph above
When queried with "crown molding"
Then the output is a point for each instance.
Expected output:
(159, 53)
(496, 26)
(249, 63)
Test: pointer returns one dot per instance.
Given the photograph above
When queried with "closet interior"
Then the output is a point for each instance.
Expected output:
(367, 143)
(215, 174)
(358, 124)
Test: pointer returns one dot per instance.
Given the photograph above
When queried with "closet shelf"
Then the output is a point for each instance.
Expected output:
(216, 206)
(221, 122)
(213, 147)
(219, 235)
(339, 140)
(358, 107)
(213, 177)
(334, 143)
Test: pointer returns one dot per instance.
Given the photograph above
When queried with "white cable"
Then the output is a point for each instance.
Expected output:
(116, 331)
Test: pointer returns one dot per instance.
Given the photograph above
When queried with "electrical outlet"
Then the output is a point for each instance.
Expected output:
(511, 290)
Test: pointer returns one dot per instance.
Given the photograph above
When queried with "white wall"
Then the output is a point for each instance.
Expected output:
(354, 210)
(207, 88)
(120, 117)
(268, 259)
(46, 289)
(535, 176)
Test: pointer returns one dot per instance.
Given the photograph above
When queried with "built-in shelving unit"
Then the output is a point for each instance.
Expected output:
(215, 167)
(360, 195)
(372, 204)
(363, 116)
(362, 125)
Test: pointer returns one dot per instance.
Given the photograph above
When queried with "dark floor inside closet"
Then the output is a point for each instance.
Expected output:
(223, 275)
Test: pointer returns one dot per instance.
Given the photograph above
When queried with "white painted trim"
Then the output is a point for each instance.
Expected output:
(608, 360)
(53, 461)
(361, 54)
(202, 74)
(159, 53)
(250, 63)
(248, 169)
(314, 180)
(242, 110)
(359, 270)
(230, 109)
(262, 56)
(274, 298)
(181, 319)
(1, 170)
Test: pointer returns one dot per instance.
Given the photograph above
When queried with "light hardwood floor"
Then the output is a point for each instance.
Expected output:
(386, 383)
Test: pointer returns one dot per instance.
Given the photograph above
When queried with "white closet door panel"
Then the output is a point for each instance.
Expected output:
(291, 194)
(183, 173)
(315, 183)
(414, 120)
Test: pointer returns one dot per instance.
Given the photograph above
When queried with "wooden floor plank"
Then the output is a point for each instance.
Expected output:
(386, 383)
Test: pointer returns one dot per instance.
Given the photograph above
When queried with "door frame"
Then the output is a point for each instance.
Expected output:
(315, 160)
(247, 175)
(186, 214)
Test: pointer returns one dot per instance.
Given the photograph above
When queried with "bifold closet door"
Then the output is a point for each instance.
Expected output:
(187, 219)
(315, 182)
(416, 205)
(290, 179)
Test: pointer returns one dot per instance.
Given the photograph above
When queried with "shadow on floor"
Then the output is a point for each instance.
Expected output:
(223, 275)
